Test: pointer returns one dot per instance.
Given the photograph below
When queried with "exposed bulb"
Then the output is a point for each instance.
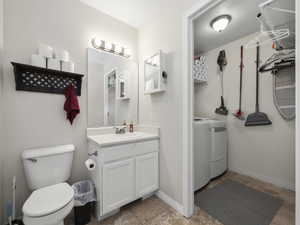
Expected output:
(127, 52)
(97, 43)
(108, 46)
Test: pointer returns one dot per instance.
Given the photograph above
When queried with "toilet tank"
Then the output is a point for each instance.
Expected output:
(48, 166)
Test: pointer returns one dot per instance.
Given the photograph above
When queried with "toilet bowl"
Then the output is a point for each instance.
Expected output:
(49, 205)
(47, 170)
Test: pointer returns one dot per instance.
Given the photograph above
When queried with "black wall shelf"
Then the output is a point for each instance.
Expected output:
(38, 79)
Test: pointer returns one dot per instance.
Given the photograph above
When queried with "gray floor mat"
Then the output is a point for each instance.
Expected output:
(233, 203)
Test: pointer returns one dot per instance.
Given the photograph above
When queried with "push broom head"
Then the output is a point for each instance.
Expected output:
(257, 119)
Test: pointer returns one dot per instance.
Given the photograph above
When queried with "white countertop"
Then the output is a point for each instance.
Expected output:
(105, 140)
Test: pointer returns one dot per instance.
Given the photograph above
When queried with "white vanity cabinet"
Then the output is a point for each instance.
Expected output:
(146, 174)
(124, 173)
(118, 184)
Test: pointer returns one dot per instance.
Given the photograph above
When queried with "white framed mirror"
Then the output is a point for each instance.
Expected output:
(112, 89)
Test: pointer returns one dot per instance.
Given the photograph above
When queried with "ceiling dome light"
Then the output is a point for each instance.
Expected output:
(220, 23)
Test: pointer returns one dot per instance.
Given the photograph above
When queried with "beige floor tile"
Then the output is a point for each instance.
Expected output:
(168, 219)
(125, 217)
(202, 218)
(150, 208)
(153, 211)
(284, 216)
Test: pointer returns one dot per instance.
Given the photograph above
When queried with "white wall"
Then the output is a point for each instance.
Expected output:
(267, 152)
(36, 119)
(1, 121)
(165, 109)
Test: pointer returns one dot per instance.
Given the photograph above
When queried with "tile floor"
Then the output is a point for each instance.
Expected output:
(153, 211)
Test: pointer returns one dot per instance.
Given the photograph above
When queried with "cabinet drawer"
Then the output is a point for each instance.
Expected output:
(114, 153)
(147, 146)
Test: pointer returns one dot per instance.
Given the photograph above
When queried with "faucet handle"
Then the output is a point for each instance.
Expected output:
(120, 130)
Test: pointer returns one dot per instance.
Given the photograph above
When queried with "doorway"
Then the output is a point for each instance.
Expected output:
(189, 109)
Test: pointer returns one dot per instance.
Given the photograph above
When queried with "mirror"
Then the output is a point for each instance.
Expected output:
(154, 75)
(112, 89)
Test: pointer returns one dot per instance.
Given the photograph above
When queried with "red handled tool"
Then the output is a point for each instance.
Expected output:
(239, 114)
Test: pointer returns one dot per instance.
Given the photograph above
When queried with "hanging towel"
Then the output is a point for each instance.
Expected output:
(71, 104)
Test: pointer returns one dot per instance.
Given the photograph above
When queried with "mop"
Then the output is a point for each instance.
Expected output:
(239, 114)
(257, 118)
(12, 219)
(222, 62)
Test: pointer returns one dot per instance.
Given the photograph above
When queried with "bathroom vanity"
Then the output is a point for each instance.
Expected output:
(123, 166)
(126, 168)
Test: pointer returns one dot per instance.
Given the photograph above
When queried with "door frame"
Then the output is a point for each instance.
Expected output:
(188, 106)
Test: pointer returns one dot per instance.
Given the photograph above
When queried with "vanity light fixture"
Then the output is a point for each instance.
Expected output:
(127, 52)
(220, 23)
(111, 47)
(119, 49)
(97, 43)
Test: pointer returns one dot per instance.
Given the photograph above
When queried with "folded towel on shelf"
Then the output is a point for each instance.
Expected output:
(71, 104)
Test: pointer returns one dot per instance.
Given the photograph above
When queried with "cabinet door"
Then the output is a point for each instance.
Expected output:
(146, 174)
(118, 184)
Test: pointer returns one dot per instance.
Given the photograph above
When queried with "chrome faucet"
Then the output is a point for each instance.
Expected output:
(120, 130)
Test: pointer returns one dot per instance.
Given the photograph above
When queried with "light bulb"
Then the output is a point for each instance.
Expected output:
(108, 46)
(118, 49)
(97, 43)
(127, 52)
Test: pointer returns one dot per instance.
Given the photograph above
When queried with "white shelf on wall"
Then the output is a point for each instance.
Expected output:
(155, 76)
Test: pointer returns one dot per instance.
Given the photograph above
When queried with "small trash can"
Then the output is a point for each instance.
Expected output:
(83, 198)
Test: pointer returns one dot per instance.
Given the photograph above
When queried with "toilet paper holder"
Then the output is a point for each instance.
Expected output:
(95, 153)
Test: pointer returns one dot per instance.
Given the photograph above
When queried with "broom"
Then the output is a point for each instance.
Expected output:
(257, 118)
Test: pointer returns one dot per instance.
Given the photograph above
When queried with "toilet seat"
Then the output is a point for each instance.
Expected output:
(48, 200)
(56, 218)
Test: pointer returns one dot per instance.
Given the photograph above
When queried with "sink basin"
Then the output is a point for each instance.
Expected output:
(123, 136)
(112, 139)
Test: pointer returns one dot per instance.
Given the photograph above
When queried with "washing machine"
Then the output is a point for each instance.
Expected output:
(210, 150)
(202, 152)
(218, 159)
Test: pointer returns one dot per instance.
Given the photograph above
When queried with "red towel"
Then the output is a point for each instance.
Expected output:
(71, 105)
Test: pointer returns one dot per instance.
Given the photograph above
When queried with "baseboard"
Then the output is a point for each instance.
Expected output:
(170, 201)
(276, 182)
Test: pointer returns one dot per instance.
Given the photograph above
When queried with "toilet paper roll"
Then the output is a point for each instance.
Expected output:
(90, 164)
(62, 55)
(53, 64)
(68, 67)
(46, 51)
(37, 60)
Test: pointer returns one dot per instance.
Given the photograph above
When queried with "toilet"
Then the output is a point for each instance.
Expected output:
(46, 171)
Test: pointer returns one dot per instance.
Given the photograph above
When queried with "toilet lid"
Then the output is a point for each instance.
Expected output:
(48, 200)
